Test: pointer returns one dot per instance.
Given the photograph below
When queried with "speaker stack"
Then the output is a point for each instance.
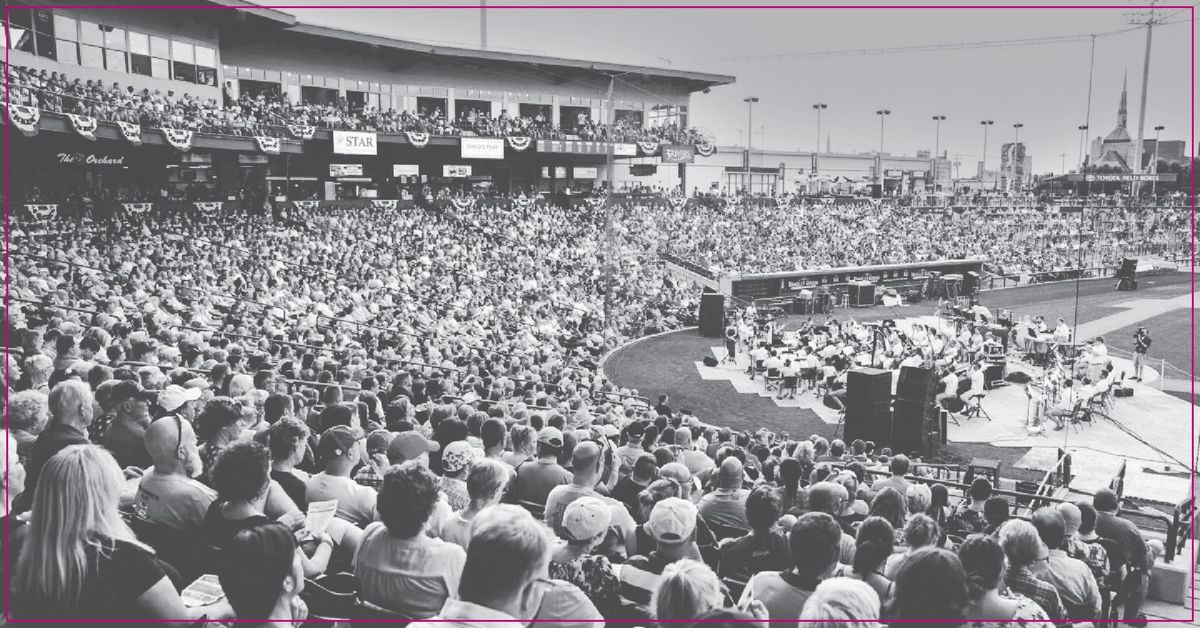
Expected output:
(712, 314)
(1127, 275)
(916, 414)
(862, 294)
(868, 405)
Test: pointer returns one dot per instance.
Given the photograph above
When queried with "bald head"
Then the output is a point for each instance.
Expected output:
(827, 497)
(683, 437)
(585, 459)
(680, 473)
(71, 403)
(1072, 518)
(730, 473)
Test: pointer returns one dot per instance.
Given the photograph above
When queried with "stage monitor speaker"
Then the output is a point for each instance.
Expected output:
(868, 405)
(712, 315)
(1128, 267)
(710, 361)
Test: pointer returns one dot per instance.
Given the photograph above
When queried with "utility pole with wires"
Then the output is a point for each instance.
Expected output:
(1149, 19)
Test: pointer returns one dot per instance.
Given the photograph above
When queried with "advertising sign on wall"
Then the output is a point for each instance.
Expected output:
(405, 170)
(354, 143)
(456, 171)
(678, 154)
(345, 170)
(482, 148)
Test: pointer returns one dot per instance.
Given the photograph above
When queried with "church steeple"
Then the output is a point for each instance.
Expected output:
(1123, 110)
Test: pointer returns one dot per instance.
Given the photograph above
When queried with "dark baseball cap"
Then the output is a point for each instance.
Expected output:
(131, 389)
(336, 441)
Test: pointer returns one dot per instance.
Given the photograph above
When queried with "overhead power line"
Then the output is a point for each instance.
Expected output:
(970, 45)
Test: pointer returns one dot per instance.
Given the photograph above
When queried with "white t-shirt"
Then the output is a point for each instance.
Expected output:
(356, 503)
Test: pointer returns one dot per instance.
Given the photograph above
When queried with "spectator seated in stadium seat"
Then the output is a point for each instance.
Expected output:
(813, 545)
(262, 574)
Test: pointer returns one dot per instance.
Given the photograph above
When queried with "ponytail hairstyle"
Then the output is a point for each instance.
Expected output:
(873, 545)
(983, 560)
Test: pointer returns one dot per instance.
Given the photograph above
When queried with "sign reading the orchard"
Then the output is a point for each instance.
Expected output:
(89, 159)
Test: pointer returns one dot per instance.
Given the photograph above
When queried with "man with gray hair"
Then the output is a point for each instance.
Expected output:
(831, 498)
(70, 414)
(726, 504)
(697, 461)
(1072, 578)
(1024, 549)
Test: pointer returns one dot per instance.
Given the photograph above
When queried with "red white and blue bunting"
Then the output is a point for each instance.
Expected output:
(42, 212)
(132, 132)
(417, 138)
(302, 131)
(518, 142)
(704, 149)
(648, 148)
(387, 204)
(179, 138)
(462, 204)
(267, 144)
(209, 207)
(597, 201)
(25, 119)
(84, 125)
(137, 208)
(677, 201)
(305, 205)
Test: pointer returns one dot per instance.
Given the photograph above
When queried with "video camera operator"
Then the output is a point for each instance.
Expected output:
(1141, 344)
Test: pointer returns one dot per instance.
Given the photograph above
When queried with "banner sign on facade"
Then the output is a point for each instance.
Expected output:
(678, 153)
(1122, 178)
(582, 172)
(456, 171)
(481, 148)
(578, 147)
(405, 170)
(560, 172)
(353, 143)
(345, 170)
(625, 150)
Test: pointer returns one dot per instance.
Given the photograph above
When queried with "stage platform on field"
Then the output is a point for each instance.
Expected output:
(1149, 432)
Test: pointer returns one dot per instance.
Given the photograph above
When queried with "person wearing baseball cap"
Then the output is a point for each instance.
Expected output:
(585, 524)
(340, 448)
(376, 446)
(536, 478)
(587, 465)
(180, 401)
(456, 461)
(672, 525)
(125, 437)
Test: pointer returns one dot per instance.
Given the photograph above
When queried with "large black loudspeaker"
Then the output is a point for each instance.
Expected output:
(915, 415)
(862, 294)
(712, 315)
(868, 405)
(1127, 275)
(970, 283)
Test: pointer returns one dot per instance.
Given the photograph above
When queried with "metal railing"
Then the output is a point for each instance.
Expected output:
(998, 281)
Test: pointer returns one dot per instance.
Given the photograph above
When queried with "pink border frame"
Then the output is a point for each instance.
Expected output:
(634, 7)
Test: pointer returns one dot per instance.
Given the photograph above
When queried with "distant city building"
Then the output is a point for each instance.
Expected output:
(1170, 151)
(1016, 167)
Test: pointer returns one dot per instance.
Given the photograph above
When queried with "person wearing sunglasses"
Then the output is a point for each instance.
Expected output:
(167, 494)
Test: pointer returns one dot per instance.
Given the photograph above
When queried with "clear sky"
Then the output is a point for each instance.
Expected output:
(1042, 86)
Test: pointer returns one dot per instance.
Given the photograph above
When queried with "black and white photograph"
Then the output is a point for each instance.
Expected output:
(488, 312)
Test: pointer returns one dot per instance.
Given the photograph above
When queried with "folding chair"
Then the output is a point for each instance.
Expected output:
(772, 378)
(788, 386)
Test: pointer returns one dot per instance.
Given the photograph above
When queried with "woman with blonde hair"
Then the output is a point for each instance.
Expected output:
(81, 561)
(841, 603)
(687, 589)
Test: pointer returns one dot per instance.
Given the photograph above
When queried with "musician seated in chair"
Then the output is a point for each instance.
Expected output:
(949, 386)
(1064, 406)
(977, 385)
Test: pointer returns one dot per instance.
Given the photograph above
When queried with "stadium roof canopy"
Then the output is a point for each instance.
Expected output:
(249, 22)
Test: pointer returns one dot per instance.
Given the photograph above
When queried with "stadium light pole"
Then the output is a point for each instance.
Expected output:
(883, 114)
(983, 160)
(1083, 128)
(1154, 184)
(483, 24)
(817, 149)
(749, 100)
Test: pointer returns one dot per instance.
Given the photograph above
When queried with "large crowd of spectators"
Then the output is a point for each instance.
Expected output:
(183, 388)
(269, 114)
(728, 238)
